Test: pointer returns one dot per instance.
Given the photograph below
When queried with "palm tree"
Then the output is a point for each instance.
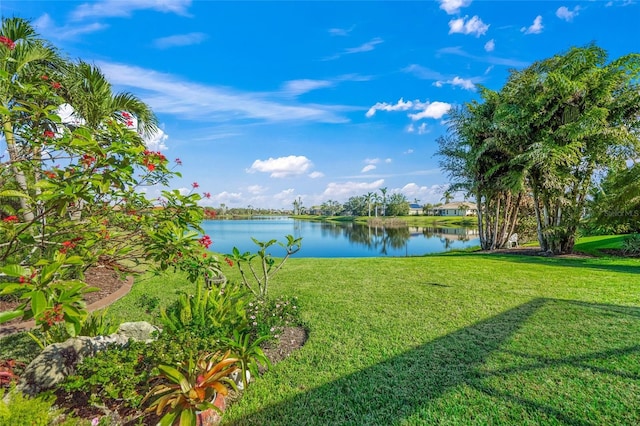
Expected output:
(90, 95)
(369, 198)
(22, 57)
(384, 200)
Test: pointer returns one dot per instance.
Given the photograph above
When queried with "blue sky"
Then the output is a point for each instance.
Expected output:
(268, 101)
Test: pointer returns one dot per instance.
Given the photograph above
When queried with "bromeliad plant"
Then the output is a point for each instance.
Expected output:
(192, 387)
(266, 267)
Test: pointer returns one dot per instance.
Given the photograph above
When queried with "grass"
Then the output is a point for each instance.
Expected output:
(457, 338)
(594, 245)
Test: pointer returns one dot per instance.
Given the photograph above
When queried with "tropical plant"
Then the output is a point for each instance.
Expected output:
(267, 263)
(71, 189)
(631, 245)
(208, 312)
(246, 349)
(191, 387)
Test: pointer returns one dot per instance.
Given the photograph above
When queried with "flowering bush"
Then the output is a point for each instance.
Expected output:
(72, 193)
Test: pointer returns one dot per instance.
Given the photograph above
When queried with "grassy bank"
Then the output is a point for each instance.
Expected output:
(452, 339)
(442, 221)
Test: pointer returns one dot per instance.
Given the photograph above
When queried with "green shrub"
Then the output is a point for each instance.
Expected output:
(631, 245)
(271, 316)
(209, 312)
(38, 411)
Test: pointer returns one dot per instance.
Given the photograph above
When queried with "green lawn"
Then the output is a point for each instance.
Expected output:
(457, 339)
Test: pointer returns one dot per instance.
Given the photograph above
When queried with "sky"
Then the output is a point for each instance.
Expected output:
(271, 101)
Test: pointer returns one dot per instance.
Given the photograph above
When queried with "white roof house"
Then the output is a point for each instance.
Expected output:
(456, 208)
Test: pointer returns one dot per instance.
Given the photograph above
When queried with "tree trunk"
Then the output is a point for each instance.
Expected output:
(19, 176)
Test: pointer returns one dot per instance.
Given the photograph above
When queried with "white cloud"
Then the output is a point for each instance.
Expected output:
(453, 6)
(409, 151)
(285, 194)
(388, 160)
(156, 141)
(347, 189)
(256, 189)
(124, 9)
(371, 160)
(342, 32)
(298, 87)
(427, 110)
(45, 25)
(368, 168)
(423, 73)
(316, 175)
(457, 81)
(535, 28)
(401, 105)
(490, 45)
(228, 198)
(473, 26)
(365, 47)
(179, 40)
(168, 94)
(282, 167)
(421, 130)
(457, 50)
(563, 12)
(432, 110)
(425, 194)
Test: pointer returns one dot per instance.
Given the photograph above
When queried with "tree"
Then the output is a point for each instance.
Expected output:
(369, 197)
(398, 205)
(565, 118)
(44, 247)
(479, 164)
(383, 191)
(615, 205)
(24, 55)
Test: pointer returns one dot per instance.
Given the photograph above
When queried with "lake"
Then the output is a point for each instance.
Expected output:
(331, 239)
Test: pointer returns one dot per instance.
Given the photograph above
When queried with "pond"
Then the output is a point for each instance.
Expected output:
(332, 239)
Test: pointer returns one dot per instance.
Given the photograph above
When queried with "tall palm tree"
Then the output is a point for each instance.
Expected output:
(22, 57)
(369, 199)
(91, 96)
(384, 200)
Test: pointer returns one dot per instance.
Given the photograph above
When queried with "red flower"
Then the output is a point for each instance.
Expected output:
(56, 85)
(23, 280)
(87, 159)
(50, 174)
(7, 42)
(195, 185)
(129, 123)
(10, 219)
(151, 167)
(126, 115)
(206, 194)
(178, 161)
(44, 77)
(205, 241)
(229, 261)
(67, 245)
(48, 134)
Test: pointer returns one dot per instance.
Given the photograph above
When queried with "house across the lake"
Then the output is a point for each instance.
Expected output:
(456, 208)
(415, 209)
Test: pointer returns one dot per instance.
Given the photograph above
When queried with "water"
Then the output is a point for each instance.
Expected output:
(328, 239)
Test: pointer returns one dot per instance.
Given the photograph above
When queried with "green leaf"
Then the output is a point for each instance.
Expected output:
(14, 270)
(38, 302)
(9, 315)
(13, 193)
(187, 418)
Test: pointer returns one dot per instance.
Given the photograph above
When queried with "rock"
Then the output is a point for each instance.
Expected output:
(59, 360)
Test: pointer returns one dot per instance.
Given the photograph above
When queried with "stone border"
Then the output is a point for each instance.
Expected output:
(7, 330)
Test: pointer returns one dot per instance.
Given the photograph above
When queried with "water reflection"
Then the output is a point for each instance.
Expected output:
(340, 239)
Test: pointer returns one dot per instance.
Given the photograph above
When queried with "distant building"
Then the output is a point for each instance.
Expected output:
(456, 208)
(415, 209)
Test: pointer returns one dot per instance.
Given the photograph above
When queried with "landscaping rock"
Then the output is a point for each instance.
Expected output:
(59, 360)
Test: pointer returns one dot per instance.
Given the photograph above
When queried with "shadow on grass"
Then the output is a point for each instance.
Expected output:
(398, 389)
